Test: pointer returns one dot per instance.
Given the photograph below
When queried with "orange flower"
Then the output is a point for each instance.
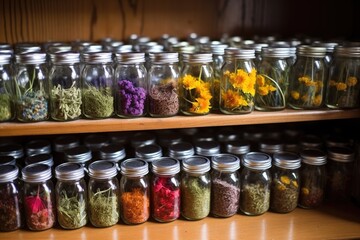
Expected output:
(318, 100)
(351, 81)
(200, 106)
(341, 86)
(232, 99)
(263, 91)
(260, 80)
(295, 95)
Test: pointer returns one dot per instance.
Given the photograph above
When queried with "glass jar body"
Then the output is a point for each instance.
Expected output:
(237, 88)
(313, 182)
(225, 197)
(343, 85)
(255, 191)
(163, 90)
(285, 189)
(339, 180)
(7, 103)
(32, 97)
(134, 199)
(196, 88)
(97, 90)
(65, 92)
(272, 84)
(165, 192)
(71, 203)
(39, 205)
(195, 195)
(218, 62)
(306, 83)
(11, 205)
(103, 202)
(131, 90)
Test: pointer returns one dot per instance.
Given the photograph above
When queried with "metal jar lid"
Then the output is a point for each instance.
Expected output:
(98, 57)
(196, 164)
(63, 143)
(276, 52)
(44, 158)
(12, 149)
(287, 160)
(271, 146)
(35, 173)
(130, 58)
(112, 152)
(313, 156)
(65, 58)
(166, 139)
(215, 48)
(102, 169)
(311, 51)
(341, 154)
(31, 58)
(134, 167)
(207, 148)
(69, 171)
(345, 51)
(148, 152)
(161, 58)
(239, 53)
(225, 162)
(7, 160)
(95, 141)
(239, 147)
(5, 58)
(198, 58)
(80, 154)
(181, 150)
(142, 138)
(8, 173)
(40, 146)
(257, 160)
(166, 166)
(311, 141)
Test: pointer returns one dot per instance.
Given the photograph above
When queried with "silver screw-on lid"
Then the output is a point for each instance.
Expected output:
(12, 149)
(196, 164)
(166, 166)
(69, 171)
(181, 150)
(148, 152)
(40, 146)
(239, 53)
(341, 154)
(5, 58)
(130, 57)
(44, 158)
(311, 51)
(65, 58)
(98, 57)
(31, 58)
(102, 169)
(80, 154)
(8, 173)
(207, 148)
(5, 160)
(287, 160)
(198, 58)
(38, 172)
(257, 160)
(313, 156)
(134, 167)
(63, 143)
(225, 162)
(160, 58)
(238, 147)
(112, 152)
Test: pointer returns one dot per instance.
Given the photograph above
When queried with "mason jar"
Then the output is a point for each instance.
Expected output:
(207, 148)
(38, 146)
(225, 185)
(7, 94)
(195, 188)
(255, 183)
(14, 150)
(71, 195)
(343, 86)
(181, 150)
(113, 152)
(272, 80)
(31, 87)
(312, 177)
(65, 90)
(39, 197)
(149, 152)
(97, 85)
(61, 144)
(163, 77)
(134, 191)
(103, 194)
(165, 189)
(195, 86)
(238, 148)
(80, 154)
(285, 186)
(95, 142)
(271, 146)
(307, 78)
(11, 202)
(237, 88)
(131, 85)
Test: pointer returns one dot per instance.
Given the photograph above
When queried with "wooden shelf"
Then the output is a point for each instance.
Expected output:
(328, 222)
(147, 123)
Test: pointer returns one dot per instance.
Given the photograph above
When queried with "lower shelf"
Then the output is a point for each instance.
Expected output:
(328, 222)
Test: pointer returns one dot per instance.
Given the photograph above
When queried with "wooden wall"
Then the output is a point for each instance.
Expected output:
(67, 20)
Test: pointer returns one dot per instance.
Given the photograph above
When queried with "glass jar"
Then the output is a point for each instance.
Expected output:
(65, 90)
(31, 85)
(196, 90)
(14, 150)
(181, 150)
(285, 186)
(39, 146)
(165, 189)
(39, 197)
(225, 185)
(163, 79)
(207, 148)
(355, 191)
(131, 85)
(339, 173)
(71, 195)
(312, 178)
(343, 85)
(97, 80)
(11, 199)
(195, 188)
(255, 183)
(330, 48)
(103, 191)
(238, 148)
(237, 88)
(80, 154)
(7, 104)
(307, 78)
(114, 152)
(134, 191)
(149, 152)
(272, 80)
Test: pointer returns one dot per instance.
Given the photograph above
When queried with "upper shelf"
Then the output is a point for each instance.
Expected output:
(147, 123)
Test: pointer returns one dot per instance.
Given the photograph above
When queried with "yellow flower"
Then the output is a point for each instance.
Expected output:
(351, 81)
(190, 82)
(305, 191)
(200, 106)
(305, 79)
(295, 95)
(341, 86)
(263, 91)
(332, 83)
(232, 99)
(260, 80)
(318, 100)
(271, 88)
(281, 187)
(285, 179)
(295, 183)
(240, 79)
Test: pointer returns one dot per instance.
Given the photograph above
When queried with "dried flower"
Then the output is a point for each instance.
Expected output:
(343, 92)
(132, 99)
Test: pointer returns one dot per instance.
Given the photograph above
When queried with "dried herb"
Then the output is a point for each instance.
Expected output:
(5, 107)
(32, 106)
(164, 100)
(131, 98)
(284, 194)
(103, 206)
(65, 102)
(135, 206)
(166, 200)
(311, 197)
(224, 198)
(10, 209)
(98, 103)
(195, 199)
(255, 199)
(71, 211)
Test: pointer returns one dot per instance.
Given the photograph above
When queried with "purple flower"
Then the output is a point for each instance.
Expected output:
(132, 98)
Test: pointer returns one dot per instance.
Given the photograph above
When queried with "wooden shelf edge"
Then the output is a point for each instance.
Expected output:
(147, 123)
